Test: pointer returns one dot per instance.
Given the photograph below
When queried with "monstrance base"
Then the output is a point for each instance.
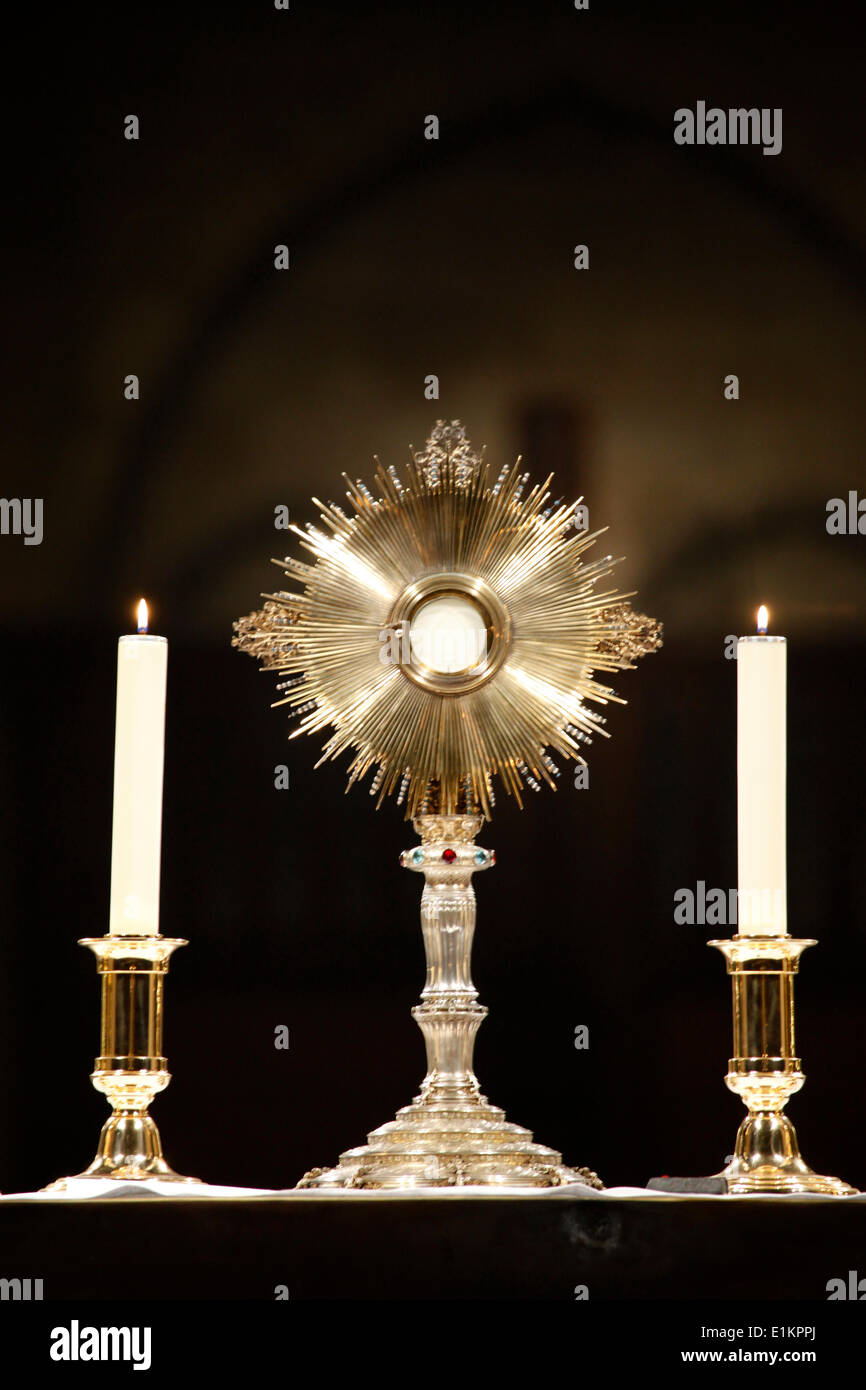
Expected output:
(437, 1146)
(450, 1136)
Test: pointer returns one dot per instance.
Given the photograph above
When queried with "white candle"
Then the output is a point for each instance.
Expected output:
(762, 908)
(139, 745)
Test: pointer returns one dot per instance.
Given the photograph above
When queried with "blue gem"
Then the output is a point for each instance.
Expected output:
(417, 856)
(481, 856)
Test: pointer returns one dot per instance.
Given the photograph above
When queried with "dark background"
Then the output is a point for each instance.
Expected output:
(257, 388)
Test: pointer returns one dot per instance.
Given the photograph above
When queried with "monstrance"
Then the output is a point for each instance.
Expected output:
(448, 632)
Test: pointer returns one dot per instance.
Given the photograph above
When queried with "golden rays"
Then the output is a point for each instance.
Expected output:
(355, 655)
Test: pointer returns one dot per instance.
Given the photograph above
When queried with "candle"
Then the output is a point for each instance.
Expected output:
(139, 741)
(761, 771)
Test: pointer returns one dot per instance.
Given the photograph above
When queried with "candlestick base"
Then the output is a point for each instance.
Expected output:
(765, 1071)
(450, 1135)
(130, 1149)
(767, 1159)
(131, 1069)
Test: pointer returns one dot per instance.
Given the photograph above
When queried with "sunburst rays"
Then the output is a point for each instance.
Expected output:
(554, 623)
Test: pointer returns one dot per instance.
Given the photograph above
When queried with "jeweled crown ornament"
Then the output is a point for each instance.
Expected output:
(449, 633)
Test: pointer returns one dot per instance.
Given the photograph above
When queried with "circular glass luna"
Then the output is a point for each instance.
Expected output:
(448, 635)
(459, 632)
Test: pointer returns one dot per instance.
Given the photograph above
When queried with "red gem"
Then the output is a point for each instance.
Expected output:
(449, 855)
(493, 856)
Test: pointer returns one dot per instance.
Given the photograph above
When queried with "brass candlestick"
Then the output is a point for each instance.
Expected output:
(765, 1069)
(131, 1069)
(450, 1135)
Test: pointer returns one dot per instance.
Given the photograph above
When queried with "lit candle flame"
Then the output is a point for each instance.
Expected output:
(763, 620)
(142, 616)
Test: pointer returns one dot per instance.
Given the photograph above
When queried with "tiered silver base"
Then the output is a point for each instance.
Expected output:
(428, 1146)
